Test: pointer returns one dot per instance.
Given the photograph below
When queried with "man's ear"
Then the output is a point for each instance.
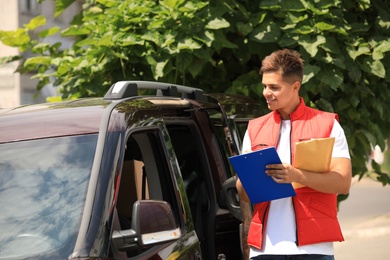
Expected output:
(297, 86)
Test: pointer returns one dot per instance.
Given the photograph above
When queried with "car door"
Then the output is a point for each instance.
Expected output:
(150, 173)
(230, 124)
(203, 140)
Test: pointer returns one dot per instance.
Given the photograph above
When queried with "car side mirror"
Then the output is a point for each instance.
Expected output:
(152, 223)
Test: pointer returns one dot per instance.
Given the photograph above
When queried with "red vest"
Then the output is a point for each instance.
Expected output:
(315, 212)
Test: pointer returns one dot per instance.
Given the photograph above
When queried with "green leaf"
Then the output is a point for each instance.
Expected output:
(41, 48)
(331, 45)
(95, 10)
(61, 5)
(188, 44)
(292, 5)
(152, 36)
(375, 67)
(107, 3)
(311, 44)
(354, 72)
(339, 63)
(86, 42)
(8, 59)
(384, 178)
(340, 31)
(158, 69)
(82, 64)
(328, 3)
(370, 137)
(217, 24)
(244, 29)
(353, 101)
(374, 129)
(356, 53)
(380, 49)
(18, 38)
(324, 26)
(36, 22)
(203, 53)
(342, 105)
(304, 29)
(378, 55)
(48, 32)
(196, 66)
(378, 108)
(172, 3)
(75, 31)
(331, 77)
(266, 32)
(206, 38)
(309, 72)
(295, 18)
(385, 24)
(270, 5)
(359, 27)
(130, 39)
(42, 76)
(63, 69)
(286, 41)
(37, 61)
(315, 10)
(325, 105)
(183, 60)
(106, 40)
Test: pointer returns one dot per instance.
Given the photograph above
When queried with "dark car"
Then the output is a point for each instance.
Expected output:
(127, 176)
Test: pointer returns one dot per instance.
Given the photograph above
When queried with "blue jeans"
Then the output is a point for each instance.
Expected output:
(293, 257)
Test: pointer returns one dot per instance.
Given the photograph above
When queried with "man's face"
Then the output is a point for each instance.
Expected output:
(280, 94)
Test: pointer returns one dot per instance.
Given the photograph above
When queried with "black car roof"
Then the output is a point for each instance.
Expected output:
(83, 116)
(51, 119)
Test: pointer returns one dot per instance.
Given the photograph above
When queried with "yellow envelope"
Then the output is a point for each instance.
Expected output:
(314, 155)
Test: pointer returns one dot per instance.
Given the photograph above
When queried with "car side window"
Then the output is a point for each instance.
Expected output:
(193, 166)
(145, 176)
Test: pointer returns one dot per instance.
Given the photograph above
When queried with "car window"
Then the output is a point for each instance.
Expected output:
(191, 157)
(43, 186)
(145, 176)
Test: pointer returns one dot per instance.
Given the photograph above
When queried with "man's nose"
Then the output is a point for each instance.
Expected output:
(266, 92)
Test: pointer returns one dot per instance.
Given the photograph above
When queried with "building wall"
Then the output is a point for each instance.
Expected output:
(9, 80)
(17, 89)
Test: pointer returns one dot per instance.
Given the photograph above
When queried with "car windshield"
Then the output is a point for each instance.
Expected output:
(43, 185)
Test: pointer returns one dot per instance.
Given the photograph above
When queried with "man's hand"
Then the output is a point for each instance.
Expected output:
(336, 181)
(283, 173)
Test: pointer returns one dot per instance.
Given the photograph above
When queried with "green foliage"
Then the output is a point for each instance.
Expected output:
(218, 45)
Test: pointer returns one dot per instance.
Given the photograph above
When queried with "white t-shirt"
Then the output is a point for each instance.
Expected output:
(281, 228)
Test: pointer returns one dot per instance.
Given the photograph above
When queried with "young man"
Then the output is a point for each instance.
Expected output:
(303, 226)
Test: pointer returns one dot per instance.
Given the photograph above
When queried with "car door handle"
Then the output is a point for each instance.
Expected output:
(231, 197)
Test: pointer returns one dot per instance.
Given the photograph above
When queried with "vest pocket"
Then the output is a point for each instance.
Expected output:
(319, 208)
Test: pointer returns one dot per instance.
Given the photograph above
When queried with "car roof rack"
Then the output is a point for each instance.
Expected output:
(124, 89)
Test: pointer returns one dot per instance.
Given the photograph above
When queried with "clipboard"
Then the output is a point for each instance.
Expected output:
(260, 187)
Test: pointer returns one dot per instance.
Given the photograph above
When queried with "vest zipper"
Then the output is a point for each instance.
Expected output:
(264, 221)
(292, 200)
(291, 144)
(279, 134)
(296, 224)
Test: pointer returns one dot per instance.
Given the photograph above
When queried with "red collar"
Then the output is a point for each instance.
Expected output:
(298, 112)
